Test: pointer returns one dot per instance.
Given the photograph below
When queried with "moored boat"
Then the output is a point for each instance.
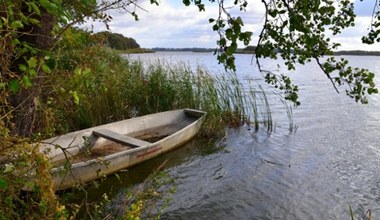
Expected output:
(86, 155)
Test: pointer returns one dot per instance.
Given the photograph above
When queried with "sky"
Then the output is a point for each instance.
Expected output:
(174, 25)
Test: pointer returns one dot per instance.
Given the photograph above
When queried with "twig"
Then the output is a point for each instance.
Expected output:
(261, 35)
(327, 74)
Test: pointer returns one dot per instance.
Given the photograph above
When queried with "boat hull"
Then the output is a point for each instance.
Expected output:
(173, 128)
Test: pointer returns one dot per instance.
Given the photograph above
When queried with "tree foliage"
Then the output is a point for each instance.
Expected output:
(297, 31)
(117, 41)
(30, 30)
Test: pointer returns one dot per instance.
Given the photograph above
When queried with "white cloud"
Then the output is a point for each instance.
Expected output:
(350, 38)
(171, 24)
(167, 25)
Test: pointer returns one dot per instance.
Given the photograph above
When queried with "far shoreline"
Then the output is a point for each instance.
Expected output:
(251, 51)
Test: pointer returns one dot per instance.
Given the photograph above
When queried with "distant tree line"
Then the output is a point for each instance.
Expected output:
(117, 41)
(252, 49)
(188, 49)
(248, 49)
(358, 53)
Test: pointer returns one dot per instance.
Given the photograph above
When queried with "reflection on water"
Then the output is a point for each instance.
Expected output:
(330, 162)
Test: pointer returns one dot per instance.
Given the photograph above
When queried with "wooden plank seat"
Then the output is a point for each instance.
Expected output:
(120, 139)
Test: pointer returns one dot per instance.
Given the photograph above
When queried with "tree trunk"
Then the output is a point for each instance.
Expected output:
(25, 102)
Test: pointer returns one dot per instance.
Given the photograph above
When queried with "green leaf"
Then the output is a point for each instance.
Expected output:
(27, 81)
(222, 42)
(232, 48)
(77, 71)
(231, 63)
(45, 68)
(34, 21)
(14, 85)
(201, 7)
(16, 41)
(239, 21)
(186, 2)
(32, 72)
(23, 18)
(35, 8)
(3, 184)
(215, 27)
(272, 13)
(10, 12)
(154, 2)
(50, 7)
(135, 16)
(32, 62)
(229, 33)
(22, 67)
(75, 96)
(17, 24)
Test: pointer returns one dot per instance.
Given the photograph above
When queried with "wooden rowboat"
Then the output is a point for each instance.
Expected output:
(89, 154)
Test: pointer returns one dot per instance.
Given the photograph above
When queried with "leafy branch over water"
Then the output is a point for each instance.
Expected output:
(297, 32)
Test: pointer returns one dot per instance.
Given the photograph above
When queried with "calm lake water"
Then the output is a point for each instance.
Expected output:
(330, 161)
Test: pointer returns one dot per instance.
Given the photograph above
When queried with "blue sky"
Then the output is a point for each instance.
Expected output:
(171, 24)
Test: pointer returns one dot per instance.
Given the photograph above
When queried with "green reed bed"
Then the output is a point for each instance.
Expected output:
(98, 86)
(260, 107)
(247, 103)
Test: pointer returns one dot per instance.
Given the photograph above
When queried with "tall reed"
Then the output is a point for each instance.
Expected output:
(108, 87)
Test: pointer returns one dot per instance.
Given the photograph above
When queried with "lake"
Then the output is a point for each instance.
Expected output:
(329, 161)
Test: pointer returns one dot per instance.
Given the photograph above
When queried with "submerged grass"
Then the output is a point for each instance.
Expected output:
(108, 87)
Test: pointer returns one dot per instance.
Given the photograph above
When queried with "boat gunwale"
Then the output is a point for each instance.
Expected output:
(199, 119)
